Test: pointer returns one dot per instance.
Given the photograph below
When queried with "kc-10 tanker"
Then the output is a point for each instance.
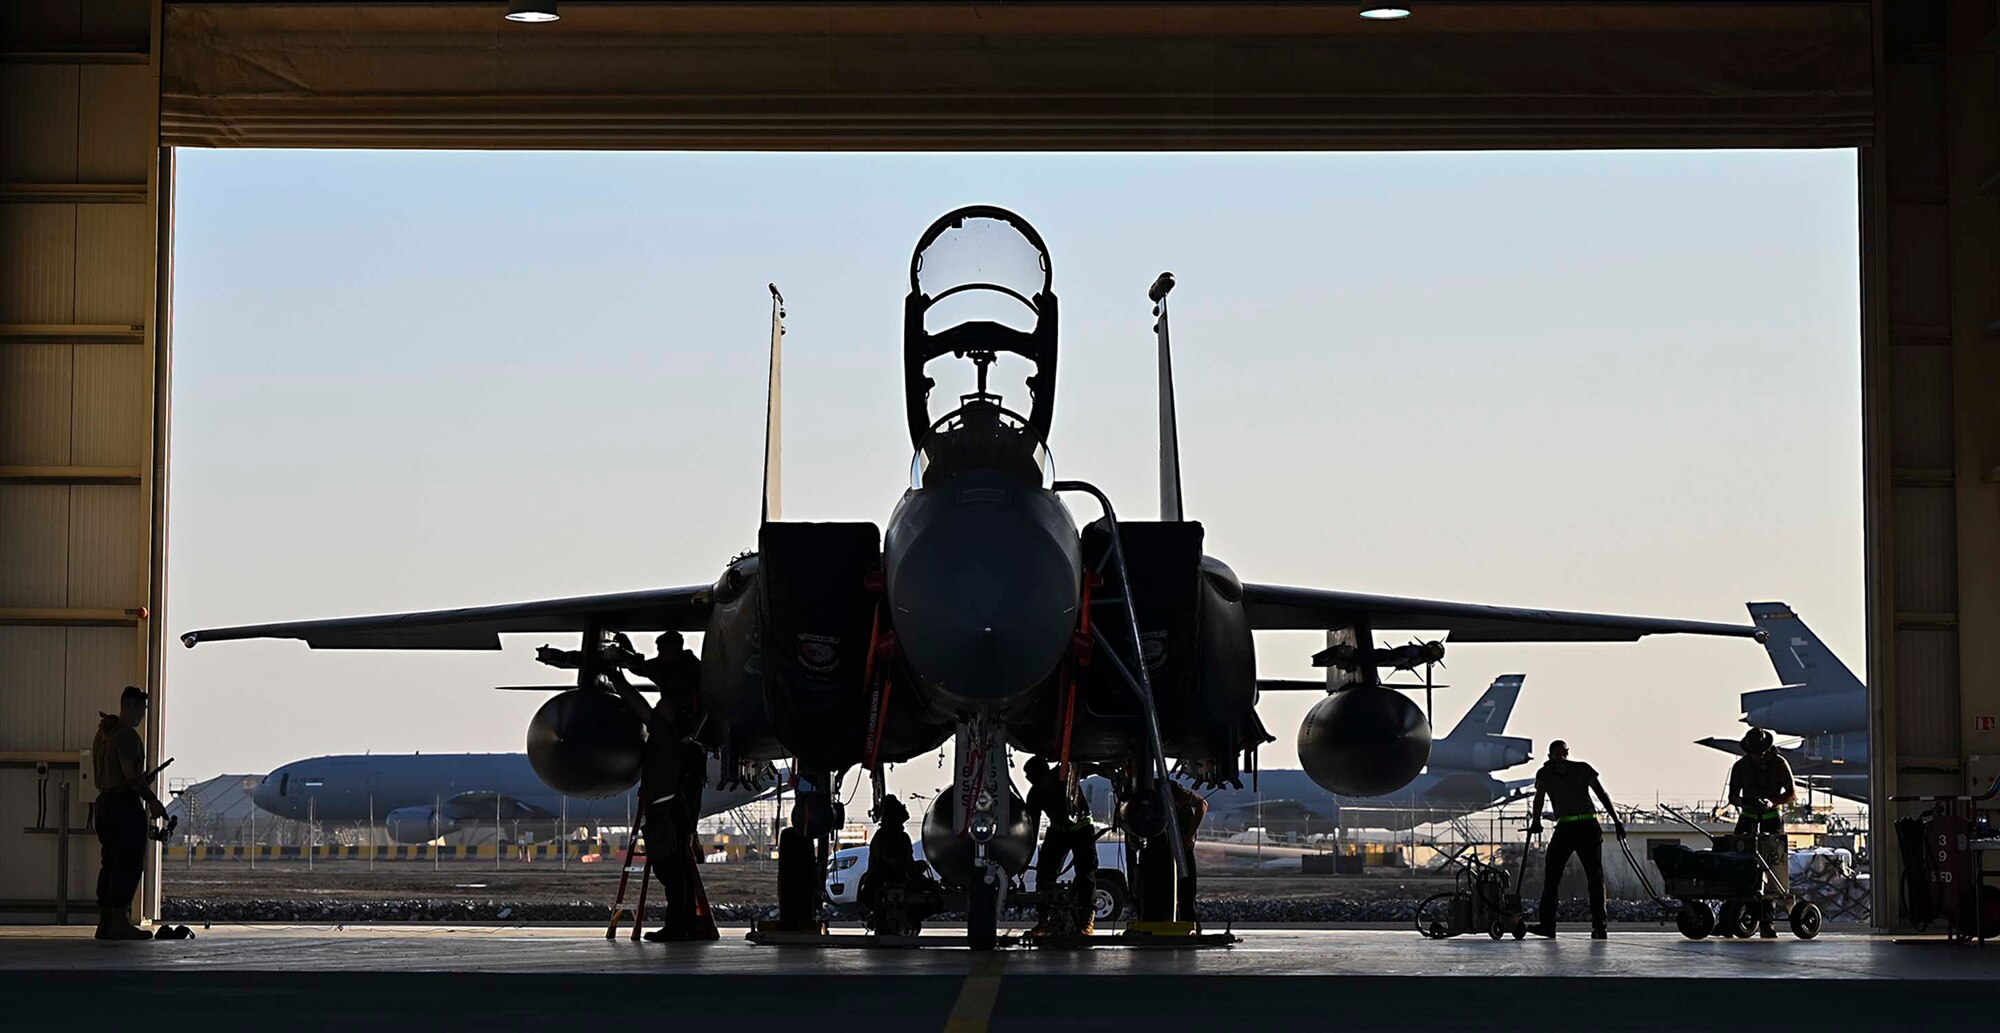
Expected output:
(985, 615)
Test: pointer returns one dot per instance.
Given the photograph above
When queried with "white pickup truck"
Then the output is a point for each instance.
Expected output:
(843, 876)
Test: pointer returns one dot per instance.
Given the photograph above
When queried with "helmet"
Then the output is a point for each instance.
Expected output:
(1756, 741)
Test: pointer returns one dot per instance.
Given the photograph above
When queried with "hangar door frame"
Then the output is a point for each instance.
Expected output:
(97, 94)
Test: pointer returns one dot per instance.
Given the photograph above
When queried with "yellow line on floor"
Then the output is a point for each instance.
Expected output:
(977, 997)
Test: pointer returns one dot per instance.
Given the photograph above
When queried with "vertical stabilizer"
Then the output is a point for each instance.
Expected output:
(774, 399)
(1170, 444)
(1797, 654)
(1489, 715)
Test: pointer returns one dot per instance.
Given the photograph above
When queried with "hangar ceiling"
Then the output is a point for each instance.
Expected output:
(94, 94)
(1019, 76)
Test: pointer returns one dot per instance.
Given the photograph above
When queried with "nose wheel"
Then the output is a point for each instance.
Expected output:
(982, 919)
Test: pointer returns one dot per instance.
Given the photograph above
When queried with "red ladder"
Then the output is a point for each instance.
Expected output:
(618, 909)
(704, 918)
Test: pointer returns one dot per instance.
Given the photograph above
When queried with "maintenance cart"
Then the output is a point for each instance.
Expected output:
(1746, 877)
(1483, 898)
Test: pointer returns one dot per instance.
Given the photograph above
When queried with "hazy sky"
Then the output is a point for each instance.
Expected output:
(1601, 381)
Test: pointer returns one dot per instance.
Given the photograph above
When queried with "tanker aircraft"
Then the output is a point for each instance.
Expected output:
(985, 616)
(1821, 702)
(419, 796)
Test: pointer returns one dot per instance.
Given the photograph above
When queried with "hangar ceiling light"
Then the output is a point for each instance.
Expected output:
(532, 11)
(1385, 14)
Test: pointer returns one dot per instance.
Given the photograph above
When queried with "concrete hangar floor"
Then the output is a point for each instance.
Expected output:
(505, 977)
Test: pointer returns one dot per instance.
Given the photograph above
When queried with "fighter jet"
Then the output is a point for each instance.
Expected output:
(1458, 780)
(1821, 702)
(985, 614)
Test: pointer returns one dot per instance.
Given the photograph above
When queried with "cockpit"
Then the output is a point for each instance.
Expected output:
(981, 269)
(982, 435)
(980, 293)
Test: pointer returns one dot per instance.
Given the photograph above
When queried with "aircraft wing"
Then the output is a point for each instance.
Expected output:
(1280, 607)
(1459, 787)
(480, 627)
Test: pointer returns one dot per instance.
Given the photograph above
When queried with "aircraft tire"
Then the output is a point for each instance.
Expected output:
(1695, 920)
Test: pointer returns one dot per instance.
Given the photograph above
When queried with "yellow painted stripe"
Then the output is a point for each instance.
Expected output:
(293, 853)
(977, 997)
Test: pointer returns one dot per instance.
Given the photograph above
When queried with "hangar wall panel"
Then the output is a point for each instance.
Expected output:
(116, 118)
(1927, 568)
(38, 123)
(38, 281)
(80, 409)
(114, 254)
(1927, 705)
(92, 659)
(1921, 383)
(34, 405)
(108, 419)
(34, 551)
(31, 715)
(106, 550)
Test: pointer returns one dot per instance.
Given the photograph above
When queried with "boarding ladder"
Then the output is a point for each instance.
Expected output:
(1133, 673)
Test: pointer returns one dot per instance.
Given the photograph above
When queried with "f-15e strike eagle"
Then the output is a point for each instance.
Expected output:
(986, 616)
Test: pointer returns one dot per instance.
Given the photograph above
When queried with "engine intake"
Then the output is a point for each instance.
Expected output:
(414, 825)
(1364, 741)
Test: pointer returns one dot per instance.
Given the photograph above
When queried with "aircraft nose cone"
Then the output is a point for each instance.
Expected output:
(983, 594)
(265, 796)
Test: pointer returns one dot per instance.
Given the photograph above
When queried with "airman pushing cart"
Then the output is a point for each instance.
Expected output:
(1744, 875)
